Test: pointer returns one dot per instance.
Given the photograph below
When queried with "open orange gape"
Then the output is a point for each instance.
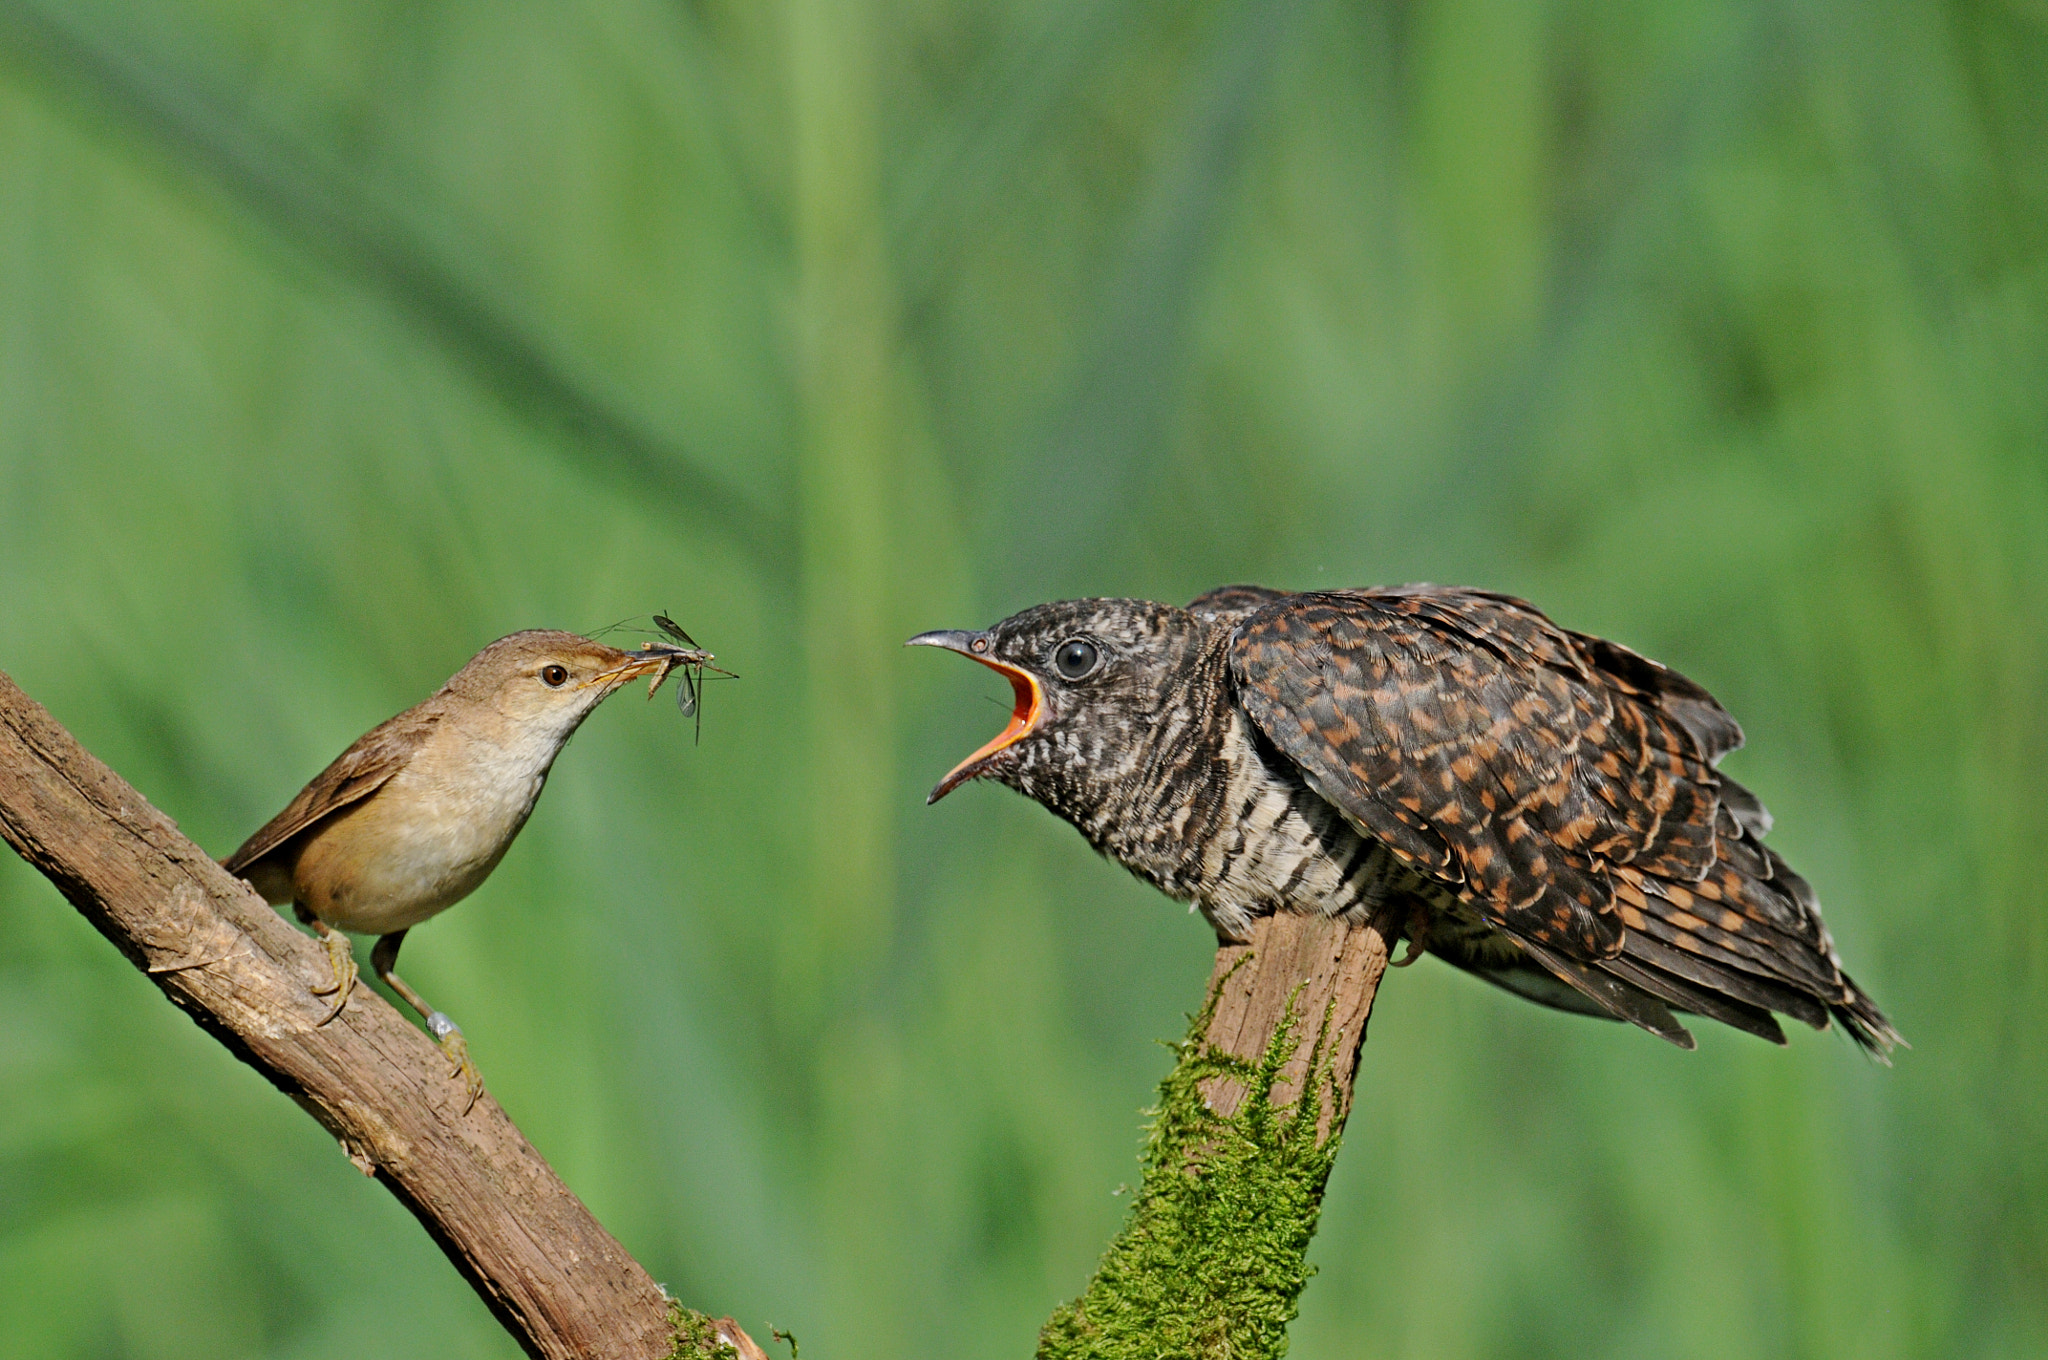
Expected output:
(1025, 712)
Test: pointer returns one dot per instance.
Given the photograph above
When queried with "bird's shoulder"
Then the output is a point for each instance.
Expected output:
(368, 763)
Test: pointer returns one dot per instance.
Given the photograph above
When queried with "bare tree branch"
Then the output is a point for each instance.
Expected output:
(550, 1273)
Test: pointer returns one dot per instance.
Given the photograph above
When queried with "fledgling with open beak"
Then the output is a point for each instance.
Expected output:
(412, 817)
(1542, 806)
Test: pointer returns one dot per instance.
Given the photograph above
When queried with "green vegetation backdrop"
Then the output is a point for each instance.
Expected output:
(338, 339)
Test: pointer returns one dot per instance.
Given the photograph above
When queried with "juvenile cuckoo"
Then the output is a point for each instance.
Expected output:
(1542, 805)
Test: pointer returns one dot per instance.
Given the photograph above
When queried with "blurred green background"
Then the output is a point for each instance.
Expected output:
(337, 340)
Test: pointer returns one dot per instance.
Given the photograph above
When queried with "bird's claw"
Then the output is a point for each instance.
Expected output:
(1418, 938)
(345, 973)
(449, 1035)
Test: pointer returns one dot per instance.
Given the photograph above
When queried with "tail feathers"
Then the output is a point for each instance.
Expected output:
(1613, 995)
(1734, 949)
(1740, 939)
(1750, 933)
(1633, 990)
(1650, 980)
(1866, 1023)
(1750, 961)
(1734, 983)
(1687, 997)
(1533, 982)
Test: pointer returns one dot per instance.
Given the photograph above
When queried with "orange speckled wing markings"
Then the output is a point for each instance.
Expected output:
(1562, 784)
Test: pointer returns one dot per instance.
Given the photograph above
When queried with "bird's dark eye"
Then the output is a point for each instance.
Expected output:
(1075, 658)
(554, 677)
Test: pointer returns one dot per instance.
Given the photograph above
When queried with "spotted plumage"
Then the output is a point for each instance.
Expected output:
(1543, 805)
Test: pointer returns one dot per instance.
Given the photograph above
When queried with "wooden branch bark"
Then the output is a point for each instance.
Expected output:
(1314, 964)
(1214, 1255)
(549, 1272)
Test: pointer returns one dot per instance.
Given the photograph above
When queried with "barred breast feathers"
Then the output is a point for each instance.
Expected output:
(1236, 836)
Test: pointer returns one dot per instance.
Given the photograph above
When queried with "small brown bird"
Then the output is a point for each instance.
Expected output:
(1542, 804)
(412, 817)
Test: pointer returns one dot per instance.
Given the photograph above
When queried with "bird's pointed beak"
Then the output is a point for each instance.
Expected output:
(1025, 715)
(656, 661)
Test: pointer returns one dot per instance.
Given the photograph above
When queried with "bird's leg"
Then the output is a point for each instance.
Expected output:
(445, 1031)
(1417, 932)
(339, 954)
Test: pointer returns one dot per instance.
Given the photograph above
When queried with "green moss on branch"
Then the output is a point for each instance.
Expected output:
(696, 1336)
(1213, 1258)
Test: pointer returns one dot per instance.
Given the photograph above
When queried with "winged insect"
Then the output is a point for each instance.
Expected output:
(691, 660)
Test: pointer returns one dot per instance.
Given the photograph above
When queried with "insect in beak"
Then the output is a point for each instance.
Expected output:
(683, 655)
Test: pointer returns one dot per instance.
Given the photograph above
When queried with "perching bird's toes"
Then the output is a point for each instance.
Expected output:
(449, 1035)
(344, 961)
(1418, 938)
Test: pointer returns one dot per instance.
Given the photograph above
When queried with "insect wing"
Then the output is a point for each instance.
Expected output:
(675, 630)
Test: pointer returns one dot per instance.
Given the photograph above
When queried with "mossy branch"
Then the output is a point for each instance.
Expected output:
(698, 1336)
(1213, 1259)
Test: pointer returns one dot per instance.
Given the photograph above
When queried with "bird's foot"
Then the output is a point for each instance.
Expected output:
(344, 961)
(449, 1035)
(1418, 939)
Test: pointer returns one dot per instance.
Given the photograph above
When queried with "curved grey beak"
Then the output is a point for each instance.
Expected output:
(952, 639)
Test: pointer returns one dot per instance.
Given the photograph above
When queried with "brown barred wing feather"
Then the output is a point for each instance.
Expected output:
(1564, 786)
(1713, 731)
(1751, 931)
(1643, 737)
(1469, 732)
(1640, 766)
(1559, 783)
